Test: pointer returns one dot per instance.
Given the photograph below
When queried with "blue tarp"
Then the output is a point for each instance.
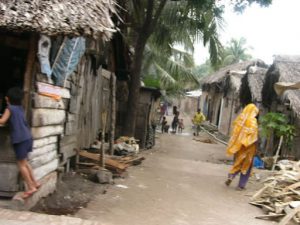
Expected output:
(67, 59)
(258, 163)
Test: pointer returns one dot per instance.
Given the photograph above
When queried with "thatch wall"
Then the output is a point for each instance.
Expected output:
(284, 69)
(252, 84)
(58, 17)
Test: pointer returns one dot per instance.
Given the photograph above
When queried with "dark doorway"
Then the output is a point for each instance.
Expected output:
(12, 62)
(13, 56)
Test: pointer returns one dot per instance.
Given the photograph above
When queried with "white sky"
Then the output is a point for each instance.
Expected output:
(269, 31)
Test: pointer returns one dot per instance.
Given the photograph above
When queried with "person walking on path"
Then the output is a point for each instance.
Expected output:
(197, 121)
(243, 144)
(175, 122)
(164, 124)
(21, 137)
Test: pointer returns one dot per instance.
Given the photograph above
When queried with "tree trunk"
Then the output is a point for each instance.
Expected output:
(134, 87)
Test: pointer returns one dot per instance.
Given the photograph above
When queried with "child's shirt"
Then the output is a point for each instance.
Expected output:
(19, 129)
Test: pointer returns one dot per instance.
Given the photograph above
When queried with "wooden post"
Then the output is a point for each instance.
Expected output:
(277, 153)
(28, 76)
(113, 114)
(102, 152)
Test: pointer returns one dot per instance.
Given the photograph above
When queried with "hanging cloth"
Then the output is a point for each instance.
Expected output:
(67, 59)
(44, 47)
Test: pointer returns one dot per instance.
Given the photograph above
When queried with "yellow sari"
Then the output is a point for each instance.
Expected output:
(242, 143)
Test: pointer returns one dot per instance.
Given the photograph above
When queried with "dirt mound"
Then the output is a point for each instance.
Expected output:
(73, 192)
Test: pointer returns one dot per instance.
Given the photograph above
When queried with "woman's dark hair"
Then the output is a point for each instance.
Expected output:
(15, 95)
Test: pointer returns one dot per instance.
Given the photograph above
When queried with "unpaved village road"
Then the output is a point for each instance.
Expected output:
(181, 182)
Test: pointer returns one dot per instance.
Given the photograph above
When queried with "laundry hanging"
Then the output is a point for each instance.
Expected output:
(43, 55)
(67, 59)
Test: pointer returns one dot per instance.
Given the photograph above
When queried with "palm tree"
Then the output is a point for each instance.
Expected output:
(171, 72)
(236, 52)
(141, 18)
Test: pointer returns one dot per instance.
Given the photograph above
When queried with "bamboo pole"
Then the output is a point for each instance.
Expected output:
(277, 153)
(102, 152)
(113, 114)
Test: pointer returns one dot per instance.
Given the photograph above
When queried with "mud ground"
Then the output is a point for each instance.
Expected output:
(73, 192)
(181, 182)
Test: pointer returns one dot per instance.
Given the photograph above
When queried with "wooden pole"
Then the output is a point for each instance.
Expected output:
(28, 76)
(277, 153)
(102, 152)
(113, 114)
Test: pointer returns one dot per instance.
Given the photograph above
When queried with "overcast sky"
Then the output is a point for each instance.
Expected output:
(269, 31)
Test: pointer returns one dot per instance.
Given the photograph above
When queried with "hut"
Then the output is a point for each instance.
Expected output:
(284, 69)
(147, 118)
(190, 102)
(220, 100)
(55, 51)
(252, 85)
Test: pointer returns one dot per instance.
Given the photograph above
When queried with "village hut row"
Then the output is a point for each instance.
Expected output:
(228, 90)
(66, 57)
(220, 99)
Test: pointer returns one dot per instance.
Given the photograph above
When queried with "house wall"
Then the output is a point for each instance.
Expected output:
(211, 103)
(203, 102)
(75, 121)
(230, 110)
(188, 105)
(61, 126)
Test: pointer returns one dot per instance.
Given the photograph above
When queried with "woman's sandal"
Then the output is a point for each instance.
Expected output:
(228, 182)
(240, 188)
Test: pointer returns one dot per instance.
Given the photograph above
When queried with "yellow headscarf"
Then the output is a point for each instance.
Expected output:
(245, 131)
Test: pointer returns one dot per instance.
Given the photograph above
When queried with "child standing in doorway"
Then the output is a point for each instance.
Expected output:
(21, 137)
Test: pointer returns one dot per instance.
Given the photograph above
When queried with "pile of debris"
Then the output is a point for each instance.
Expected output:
(125, 155)
(126, 146)
(280, 196)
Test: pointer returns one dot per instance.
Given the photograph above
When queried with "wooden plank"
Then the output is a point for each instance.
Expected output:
(106, 74)
(40, 101)
(53, 90)
(42, 150)
(292, 186)
(68, 151)
(43, 159)
(46, 117)
(44, 141)
(285, 220)
(260, 192)
(134, 161)
(42, 171)
(68, 139)
(28, 76)
(271, 216)
(112, 114)
(71, 128)
(108, 162)
(41, 132)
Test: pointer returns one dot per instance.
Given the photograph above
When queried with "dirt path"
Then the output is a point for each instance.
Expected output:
(179, 183)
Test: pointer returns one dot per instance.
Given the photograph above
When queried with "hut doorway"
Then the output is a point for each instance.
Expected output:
(13, 61)
(13, 56)
(219, 113)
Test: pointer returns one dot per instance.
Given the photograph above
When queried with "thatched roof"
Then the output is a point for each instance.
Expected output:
(252, 85)
(229, 75)
(284, 69)
(58, 17)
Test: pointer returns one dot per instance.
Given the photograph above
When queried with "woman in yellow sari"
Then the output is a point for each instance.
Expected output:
(242, 144)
